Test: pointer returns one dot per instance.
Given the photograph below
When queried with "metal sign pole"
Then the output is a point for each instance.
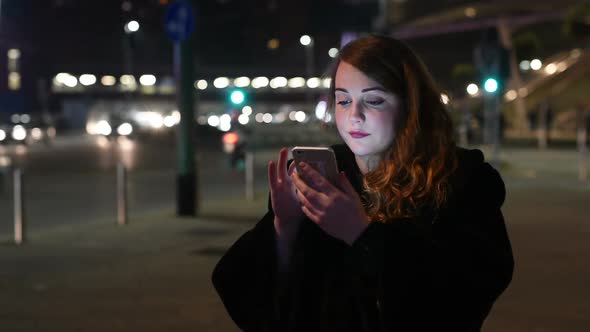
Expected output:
(19, 213)
(249, 176)
(121, 194)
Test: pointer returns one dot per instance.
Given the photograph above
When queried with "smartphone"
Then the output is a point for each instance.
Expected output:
(322, 159)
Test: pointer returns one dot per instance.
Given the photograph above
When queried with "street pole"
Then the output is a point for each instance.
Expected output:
(186, 181)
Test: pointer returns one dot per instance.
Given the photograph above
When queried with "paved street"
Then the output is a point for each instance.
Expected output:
(154, 274)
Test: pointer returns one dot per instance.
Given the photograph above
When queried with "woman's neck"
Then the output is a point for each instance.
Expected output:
(366, 163)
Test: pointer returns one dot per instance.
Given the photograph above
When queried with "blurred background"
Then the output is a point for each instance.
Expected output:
(160, 116)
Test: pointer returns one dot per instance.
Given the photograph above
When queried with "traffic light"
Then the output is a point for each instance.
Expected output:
(490, 85)
(237, 97)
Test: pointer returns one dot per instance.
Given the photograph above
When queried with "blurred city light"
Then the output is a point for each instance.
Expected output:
(300, 116)
(575, 53)
(273, 44)
(313, 82)
(147, 80)
(536, 64)
(125, 143)
(278, 82)
(69, 81)
(201, 84)
(2, 135)
(125, 129)
(237, 97)
(260, 82)
(15, 118)
(108, 80)
(550, 69)
(333, 52)
(25, 118)
(320, 109)
(510, 95)
(242, 82)
(19, 133)
(326, 82)
(296, 82)
(472, 89)
(131, 26)
(202, 120)
(444, 98)
(213, 120)
(243, 119)
(267, 118)
(14, 81)
(525, 65)
(561, 66)
(87, 79)
(221, 82)
(470, 12)
(230, 138)
(247, 110)
(305, 40)
(279, 118)
(258, 117)
(292, 116)
(490, 85)
(225, 126)
(13, 54)
(523, 92)
(127, 80)
(102, 141)
(103, 128)
(176, 116)
(169, 121)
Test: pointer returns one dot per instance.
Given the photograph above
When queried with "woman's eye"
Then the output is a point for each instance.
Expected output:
(374, 102)
(343, 102)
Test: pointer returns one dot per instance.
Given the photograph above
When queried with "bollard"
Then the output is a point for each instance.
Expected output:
(121, 194)
(19, 213)
(249, 176)
(583, 149)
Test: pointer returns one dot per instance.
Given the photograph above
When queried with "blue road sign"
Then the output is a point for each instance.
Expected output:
(180, 21)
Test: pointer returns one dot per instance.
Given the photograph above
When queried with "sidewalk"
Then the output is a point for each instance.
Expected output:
(154, 273)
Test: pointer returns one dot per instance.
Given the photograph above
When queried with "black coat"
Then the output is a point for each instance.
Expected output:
(441, 271)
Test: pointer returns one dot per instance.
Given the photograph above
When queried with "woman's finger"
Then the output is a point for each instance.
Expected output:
(272, 174)
(318, 181)
(282, 165)
(312, 216)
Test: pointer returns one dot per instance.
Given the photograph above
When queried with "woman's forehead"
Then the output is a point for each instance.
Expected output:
(350, 77)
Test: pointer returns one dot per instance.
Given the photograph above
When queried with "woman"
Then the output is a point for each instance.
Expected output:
(411, 238)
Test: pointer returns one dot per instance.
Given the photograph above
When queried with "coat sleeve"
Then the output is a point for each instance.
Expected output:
(244, 276)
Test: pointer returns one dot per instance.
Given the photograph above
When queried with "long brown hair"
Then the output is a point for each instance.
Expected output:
(414, 172)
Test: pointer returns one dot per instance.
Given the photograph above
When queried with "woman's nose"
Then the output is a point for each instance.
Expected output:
(356, 113)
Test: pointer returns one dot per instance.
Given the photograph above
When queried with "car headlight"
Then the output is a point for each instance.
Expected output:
(125, 129)
(19, 133)
(103, 128)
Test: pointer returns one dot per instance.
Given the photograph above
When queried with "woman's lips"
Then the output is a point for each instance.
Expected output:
(358, 134)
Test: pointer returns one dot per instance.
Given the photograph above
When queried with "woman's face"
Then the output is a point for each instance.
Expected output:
(364, 111)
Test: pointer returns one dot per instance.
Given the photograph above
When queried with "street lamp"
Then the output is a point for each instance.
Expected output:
(131, 27)
(307, 43)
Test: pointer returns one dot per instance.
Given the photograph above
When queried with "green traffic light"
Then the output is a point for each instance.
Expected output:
(237, 97)
(491, 85)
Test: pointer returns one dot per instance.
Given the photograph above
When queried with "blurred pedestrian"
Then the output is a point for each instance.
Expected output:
(411, 237)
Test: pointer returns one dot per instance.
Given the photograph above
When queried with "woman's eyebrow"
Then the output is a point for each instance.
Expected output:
(372, 89)
(363, 90)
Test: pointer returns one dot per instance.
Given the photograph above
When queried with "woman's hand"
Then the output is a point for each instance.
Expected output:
(337, 210)
(285, 204)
